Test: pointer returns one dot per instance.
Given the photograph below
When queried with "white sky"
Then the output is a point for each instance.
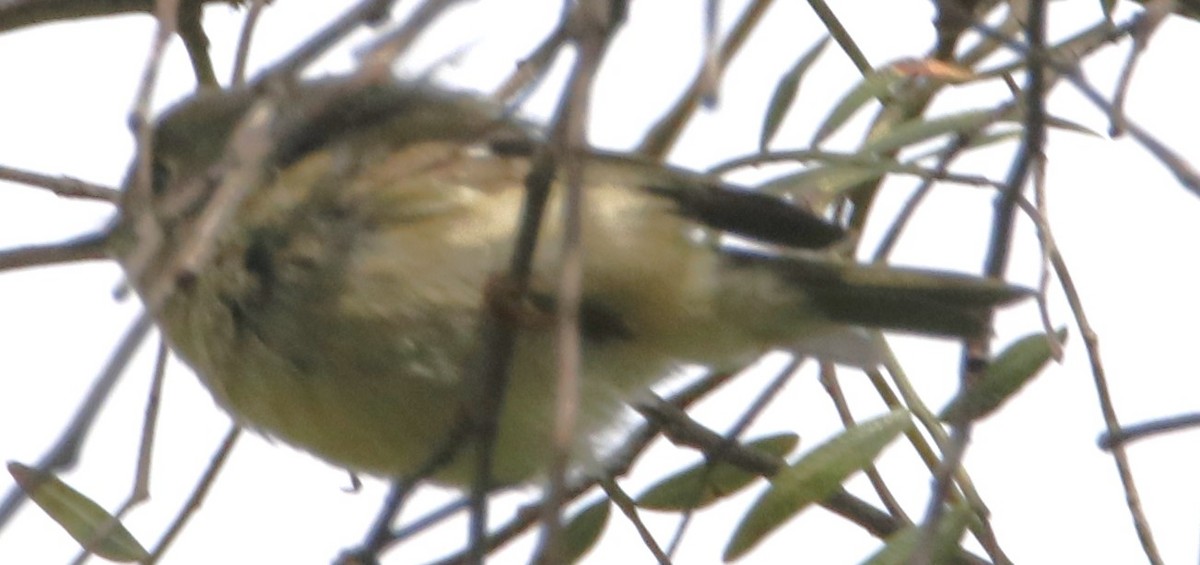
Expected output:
(1120, 219)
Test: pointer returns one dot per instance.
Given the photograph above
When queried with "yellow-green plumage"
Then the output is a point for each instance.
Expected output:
(341, 308)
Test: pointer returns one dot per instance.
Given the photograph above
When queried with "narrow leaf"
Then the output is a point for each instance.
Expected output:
(584, 529)
(820, 184)
(1010, 371)
(900, 545)
(87, 522)
(1070, 125)
(918, 130)
(872, 87)
(785, 94)
(1017, 114)
(813, 478)
(976, 142)
(703, 484)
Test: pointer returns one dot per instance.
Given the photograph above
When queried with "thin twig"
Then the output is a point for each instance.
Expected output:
(387, 49)
(141, 486)
(1091, 343)
(244, 167)
(1130, 433)
(874, 521)
(61, 185)
(748, 417)
(710, 68)
(661, 137)
(380, 536)
(681, 429)
(977, 351)
(1145, 24)
(190, 27)
(888, 243)
(17, 14)
(843, 37)
(592, 26)
(242, 55)
(65, 451)
(85, 248)
(137, 200)
(533, 67)
(1187, 176)
(830, 382)
(982, 530)
(1046, 242)
(618, 464)
(629, 509)
(365, 12)
(952, 19)
(199, 493)
(140, 491)
(429, 520)
(987, 45)
(486, 383)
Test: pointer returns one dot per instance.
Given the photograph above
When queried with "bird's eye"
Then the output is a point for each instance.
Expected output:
(160, 177)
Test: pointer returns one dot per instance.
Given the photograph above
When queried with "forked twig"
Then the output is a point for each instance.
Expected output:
(1091, 343)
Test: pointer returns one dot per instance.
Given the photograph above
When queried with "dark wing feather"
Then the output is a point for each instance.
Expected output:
(752, 215)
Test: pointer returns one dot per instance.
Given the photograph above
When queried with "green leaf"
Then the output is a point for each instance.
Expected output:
(874, 86)
(584, 529)
(1072, 126)
(900, 545)
(93, 527)
(1010, 371)
(819, 184)
(785, 94)
(918, 130)
(1017, 114)
(980, 139)
(976, 142)
(813, 478)
(703, 483)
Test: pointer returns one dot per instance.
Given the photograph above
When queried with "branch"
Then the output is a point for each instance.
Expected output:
(16, 14)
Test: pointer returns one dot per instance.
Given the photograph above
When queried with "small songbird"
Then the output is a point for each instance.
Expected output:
(339, 309)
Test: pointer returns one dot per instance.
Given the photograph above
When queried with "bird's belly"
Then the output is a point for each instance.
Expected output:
(355, 349)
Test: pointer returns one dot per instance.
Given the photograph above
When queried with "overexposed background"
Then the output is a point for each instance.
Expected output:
(1121, 220)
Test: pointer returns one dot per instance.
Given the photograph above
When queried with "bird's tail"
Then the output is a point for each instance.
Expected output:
(911, 300)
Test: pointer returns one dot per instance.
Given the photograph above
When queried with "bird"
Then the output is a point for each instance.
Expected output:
(339, 307)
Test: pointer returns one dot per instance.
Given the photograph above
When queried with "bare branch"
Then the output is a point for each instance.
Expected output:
(61, 186)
